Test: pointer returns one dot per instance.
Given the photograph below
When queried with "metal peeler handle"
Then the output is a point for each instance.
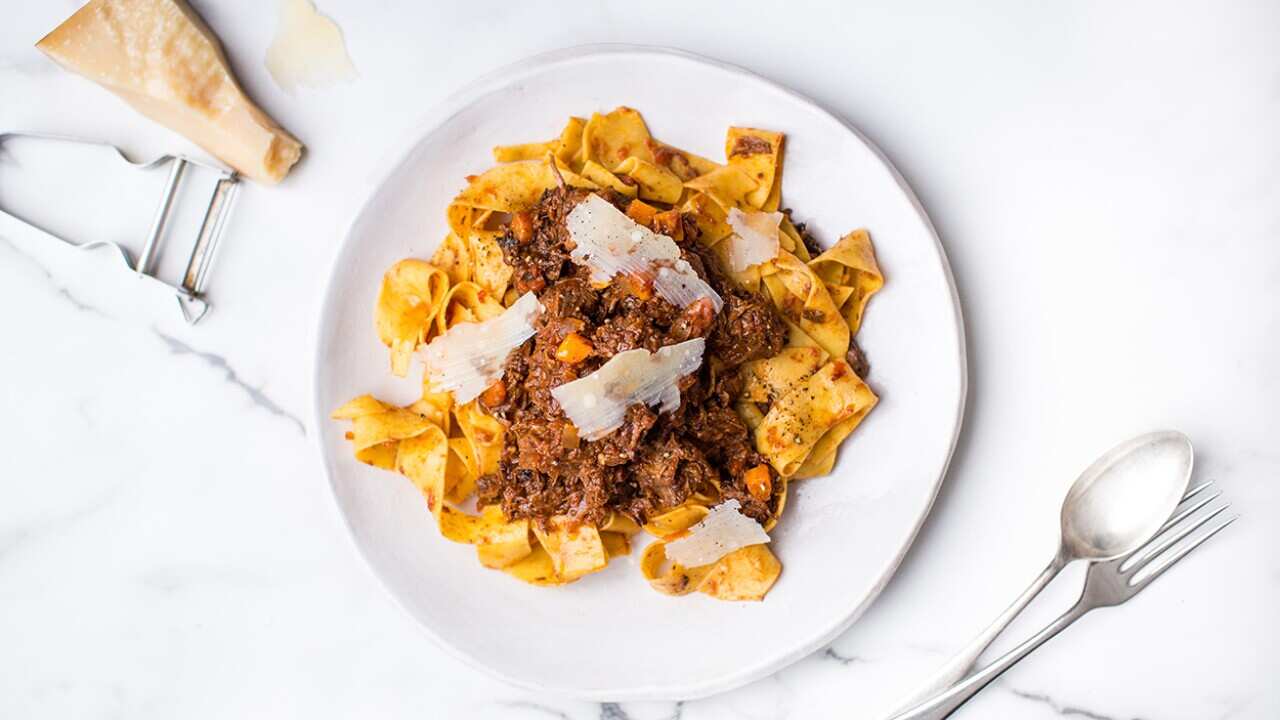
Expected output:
(190, 292)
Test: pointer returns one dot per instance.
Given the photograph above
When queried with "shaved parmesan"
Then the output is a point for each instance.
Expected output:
(755, 238)
(722, 531)
(470, 357)
(610, 243)
(681, 286)
(597, 403)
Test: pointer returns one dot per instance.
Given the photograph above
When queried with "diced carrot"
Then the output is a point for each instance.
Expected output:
(638, 286)
(522, 227)
(642, 212)
(494, 395)
(573, 349)
(569, 437)
(758, 482)
(668, 223)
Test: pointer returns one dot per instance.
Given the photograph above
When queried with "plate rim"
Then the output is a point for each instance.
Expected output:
(391, 161)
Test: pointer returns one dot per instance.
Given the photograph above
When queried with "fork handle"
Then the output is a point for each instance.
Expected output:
(941, 706)
(960, 665)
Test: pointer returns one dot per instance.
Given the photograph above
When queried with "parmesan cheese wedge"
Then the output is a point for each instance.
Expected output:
(755, 238)
(722, 531)
(161, 58)
(597, 403)
(470, 357)
(610, 243)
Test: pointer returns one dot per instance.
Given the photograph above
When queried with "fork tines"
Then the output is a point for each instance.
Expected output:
(1166, 548)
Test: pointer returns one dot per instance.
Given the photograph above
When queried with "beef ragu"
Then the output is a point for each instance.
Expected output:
(594, 365)
(654, 462)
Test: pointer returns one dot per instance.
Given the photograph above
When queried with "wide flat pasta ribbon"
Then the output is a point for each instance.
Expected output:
(454, 258)
(422, 459)
(768, 379)
(600, 175)
(466, 302)
(489, 270)
(727, 185)
(569, 149)
(709, 216)
(615, 544)
(485, 434)
(797, 420)
(525, 151)
(613, 137)
(515, 186)
(620, 524)
(802, 298)
(359, 407)
(791, 241)
(781, 489)
(823, 458)
(377, 429)
(462, 471)
(535, 568)
(684, 164)
(652, 182)
(543, 567)
(851, 274)
(575, 549)
(610, 138)
(757, 153)
(675, 520)
(411, 294)
(434, 407)
(566, 148)
(499, 542)
(744, 574)
(667, 577)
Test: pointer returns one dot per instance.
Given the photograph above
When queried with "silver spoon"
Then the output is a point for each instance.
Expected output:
(1117, 504)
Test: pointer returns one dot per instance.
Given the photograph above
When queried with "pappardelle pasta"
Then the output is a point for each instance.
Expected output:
(621, 337)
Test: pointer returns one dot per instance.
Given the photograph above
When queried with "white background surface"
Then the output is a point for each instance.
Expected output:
(1104, 179)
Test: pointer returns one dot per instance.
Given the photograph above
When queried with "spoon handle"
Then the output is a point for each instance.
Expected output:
(943, 705)
(960, 665)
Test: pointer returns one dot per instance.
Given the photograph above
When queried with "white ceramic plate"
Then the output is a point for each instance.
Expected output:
(609, 636)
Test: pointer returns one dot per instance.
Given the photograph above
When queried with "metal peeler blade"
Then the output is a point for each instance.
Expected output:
(190, 292)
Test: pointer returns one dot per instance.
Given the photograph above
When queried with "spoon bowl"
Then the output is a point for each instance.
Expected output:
(1123, 498)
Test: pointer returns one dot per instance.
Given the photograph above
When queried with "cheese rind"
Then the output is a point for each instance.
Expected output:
(160, 57)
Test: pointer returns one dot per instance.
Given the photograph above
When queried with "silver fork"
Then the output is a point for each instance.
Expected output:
(1106, 584)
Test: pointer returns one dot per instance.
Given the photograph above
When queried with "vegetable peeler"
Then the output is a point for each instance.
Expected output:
(190, 292)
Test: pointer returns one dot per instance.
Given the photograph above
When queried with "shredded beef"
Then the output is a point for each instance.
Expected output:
(857, 360)
(746, 329)
(543, 259)
(654, 461)
(810, 242)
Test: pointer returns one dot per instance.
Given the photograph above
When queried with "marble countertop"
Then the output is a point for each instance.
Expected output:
(1103, 176)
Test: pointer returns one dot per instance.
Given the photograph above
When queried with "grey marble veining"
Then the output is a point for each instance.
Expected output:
(220, 364)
